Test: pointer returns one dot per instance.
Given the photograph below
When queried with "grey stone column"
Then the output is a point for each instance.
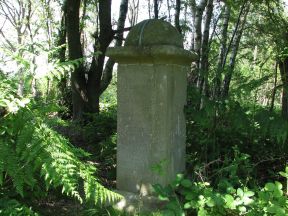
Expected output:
(152, 69)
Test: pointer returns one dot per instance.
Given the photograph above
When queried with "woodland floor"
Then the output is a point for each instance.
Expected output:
(57, 204)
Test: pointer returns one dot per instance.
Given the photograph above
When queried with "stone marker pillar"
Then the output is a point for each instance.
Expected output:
(152, 69)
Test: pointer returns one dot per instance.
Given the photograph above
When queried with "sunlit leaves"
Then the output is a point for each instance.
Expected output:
(201, 198)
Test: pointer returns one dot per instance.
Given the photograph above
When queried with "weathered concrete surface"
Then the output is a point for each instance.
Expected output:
(151, 125)
(164, 54)
(153, 32)
(151, 97)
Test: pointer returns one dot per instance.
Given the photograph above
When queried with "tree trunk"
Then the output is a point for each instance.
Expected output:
(235, 46)
(198, 29)
(283, 66)
(169, 10)
(78, 81)
(198, 11)
(149, 8)
(133, 12)
(274, 88)
(47, 10)
(177, 16)
(61, 56)
(87, 85)
(84, 6)
(236, 29)
(61, 39)
(204, 67)
(156, 9)
(231, 66)
(107, 74)
(193, 11)
(222, 51)
(100, 46)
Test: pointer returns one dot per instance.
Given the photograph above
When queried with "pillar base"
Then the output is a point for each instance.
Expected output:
(134, 203)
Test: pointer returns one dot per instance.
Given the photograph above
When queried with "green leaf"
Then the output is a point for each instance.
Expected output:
(277, 190)
(179, 177)
(186, 183)
(189, 196)
(187, 205)
(284, 174)
(247, 200)
(177, 181)
(163, 198)
(229, 201)
(202, 212)
(218, 199)
(269, 186)
(278, 185)
(174, 206)
(158, 188)
(277, 193)
(276, 210)
(264, 196)
(168, 212)
(249, 193)
(242, 209)
(240, 192)
(210, 203)
(2, 103)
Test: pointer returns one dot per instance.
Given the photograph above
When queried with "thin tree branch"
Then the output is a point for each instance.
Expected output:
(7, 41)
(122, 30)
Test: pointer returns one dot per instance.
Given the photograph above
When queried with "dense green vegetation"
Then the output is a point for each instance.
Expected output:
(58, 106)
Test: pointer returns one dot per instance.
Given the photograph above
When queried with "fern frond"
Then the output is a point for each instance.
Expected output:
(30, 149)
(60, 165)
(11, 207)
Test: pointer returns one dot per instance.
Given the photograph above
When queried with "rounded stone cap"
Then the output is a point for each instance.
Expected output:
(152, 42)
(154, 32)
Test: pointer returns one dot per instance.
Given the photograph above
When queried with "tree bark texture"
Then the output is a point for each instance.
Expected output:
(60, 54)
(89, 83)
(222, 51)
(107, 74)
(283, 66)
(60, 41)
(133, 6)
(192, 5)
(177, 16)
(198, 10)
(102, 41)
(156, 9)
(275, 87)
(204, 64)
(169, 10)
(236, 29)
(235, 46)
(78, 81)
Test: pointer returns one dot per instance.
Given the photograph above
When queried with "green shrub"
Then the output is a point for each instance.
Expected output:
(185, 197)
(213, 130)
(32, 154)
(12, 207)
